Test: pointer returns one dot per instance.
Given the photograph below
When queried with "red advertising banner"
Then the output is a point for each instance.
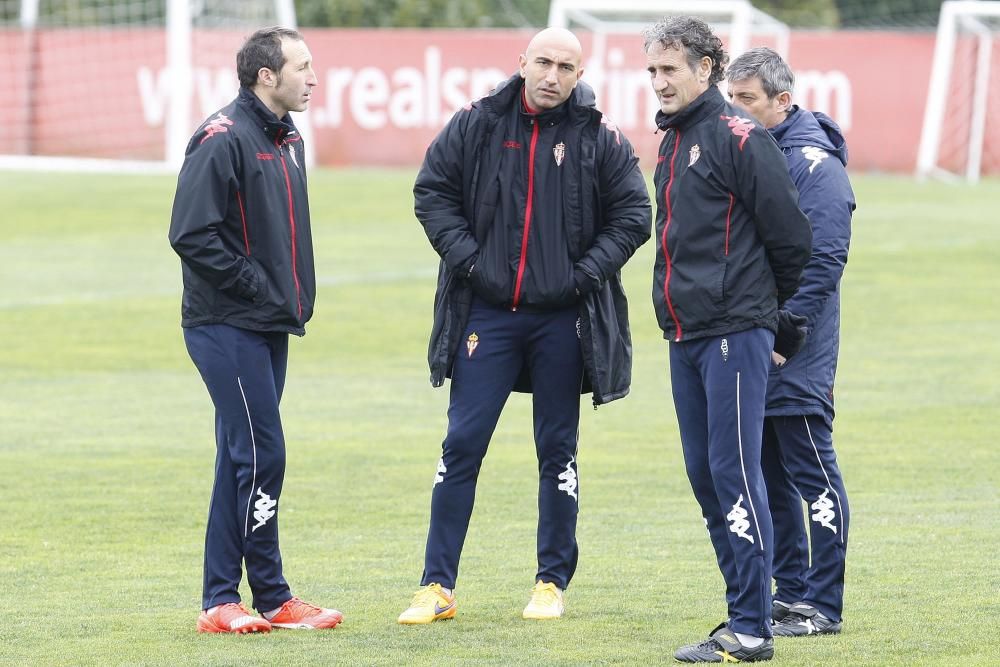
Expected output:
(384, 94)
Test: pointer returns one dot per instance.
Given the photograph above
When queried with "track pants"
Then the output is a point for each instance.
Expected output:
(799, 464)
(719, 385)
(497, 344)
(245, 374)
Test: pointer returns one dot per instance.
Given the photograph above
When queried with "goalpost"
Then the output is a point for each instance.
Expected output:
(736, 20)
(119, 85)
(959, 139)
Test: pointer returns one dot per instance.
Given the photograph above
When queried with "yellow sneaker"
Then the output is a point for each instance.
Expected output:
(546, 602)
(429, 604)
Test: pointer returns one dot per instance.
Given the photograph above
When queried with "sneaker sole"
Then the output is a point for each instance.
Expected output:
(241, 631)
(444, 616)
(806, 634)
(304, 626)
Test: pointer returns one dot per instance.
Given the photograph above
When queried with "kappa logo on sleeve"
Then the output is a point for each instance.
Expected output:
(740, 127)
(215, 126)
(814, 155)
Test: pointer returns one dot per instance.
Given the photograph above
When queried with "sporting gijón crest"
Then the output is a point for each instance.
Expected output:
(559, 153)
(740, 127)
(214, 126)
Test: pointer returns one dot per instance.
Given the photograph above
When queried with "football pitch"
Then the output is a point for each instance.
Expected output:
(107, 449)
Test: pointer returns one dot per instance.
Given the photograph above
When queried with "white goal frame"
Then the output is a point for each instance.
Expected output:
(737, 19)
(178, 121)
(953, 14)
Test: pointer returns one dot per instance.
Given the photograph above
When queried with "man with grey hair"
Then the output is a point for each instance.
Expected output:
(797, 454)
(732, 244)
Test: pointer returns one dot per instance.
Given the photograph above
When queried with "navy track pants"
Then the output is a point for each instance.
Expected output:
(799, 464)
(497, 344)
(245, 375)
(719, 385)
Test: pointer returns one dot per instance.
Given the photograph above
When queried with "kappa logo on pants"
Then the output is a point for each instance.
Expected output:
(738, 520)
(569, 480)
(824, 511)
(441, 470)
(264, 508)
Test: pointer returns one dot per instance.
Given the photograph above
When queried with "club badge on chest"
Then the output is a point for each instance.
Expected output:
(559, 153)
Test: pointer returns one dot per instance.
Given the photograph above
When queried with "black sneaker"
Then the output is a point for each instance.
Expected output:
(723, 646)
(803, 619)
(779, 610)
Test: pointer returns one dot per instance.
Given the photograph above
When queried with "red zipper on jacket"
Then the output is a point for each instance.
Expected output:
(291, 224)
(527, 215)
(663, 241)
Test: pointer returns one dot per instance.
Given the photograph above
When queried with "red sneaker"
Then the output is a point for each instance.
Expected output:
(298, 615)
(231, 617)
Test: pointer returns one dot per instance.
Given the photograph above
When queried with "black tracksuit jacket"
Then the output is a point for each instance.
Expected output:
(240, 222)
(731, 240)
(534, 252)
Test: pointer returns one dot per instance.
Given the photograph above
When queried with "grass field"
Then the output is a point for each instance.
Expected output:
(106, 449)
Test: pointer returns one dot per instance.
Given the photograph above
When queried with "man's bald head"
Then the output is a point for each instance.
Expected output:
(551, 66)
(559, 38)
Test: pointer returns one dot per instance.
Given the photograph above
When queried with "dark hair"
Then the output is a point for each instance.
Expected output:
(774, 74)
(694, 37)
(262, 49)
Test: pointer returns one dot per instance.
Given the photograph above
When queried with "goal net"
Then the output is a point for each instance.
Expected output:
(960, 139)
(118, 85)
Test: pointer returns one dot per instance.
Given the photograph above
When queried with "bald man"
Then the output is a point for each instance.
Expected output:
(534, 202)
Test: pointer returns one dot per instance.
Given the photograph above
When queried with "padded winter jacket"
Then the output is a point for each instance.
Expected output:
(604, 206)
(817, 159)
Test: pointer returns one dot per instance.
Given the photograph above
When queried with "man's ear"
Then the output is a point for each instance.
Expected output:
(705, 69)
(784, 101)
(266, 77)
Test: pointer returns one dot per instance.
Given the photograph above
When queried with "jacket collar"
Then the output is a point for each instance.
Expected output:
(275, 128)
(708, 103)
(509, 93)
(810, 128)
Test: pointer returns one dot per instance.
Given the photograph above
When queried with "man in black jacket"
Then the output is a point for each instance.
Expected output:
(732, 244)
(240, 224)
(534, 201)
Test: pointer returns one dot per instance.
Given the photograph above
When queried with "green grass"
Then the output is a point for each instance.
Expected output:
(106, 448)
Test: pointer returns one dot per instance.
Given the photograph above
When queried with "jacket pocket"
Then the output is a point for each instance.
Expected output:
(719, 290)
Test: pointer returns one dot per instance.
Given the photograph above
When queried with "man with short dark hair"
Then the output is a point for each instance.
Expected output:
(731, 246)
(534, 201)
(240, 225)
(797, 455)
